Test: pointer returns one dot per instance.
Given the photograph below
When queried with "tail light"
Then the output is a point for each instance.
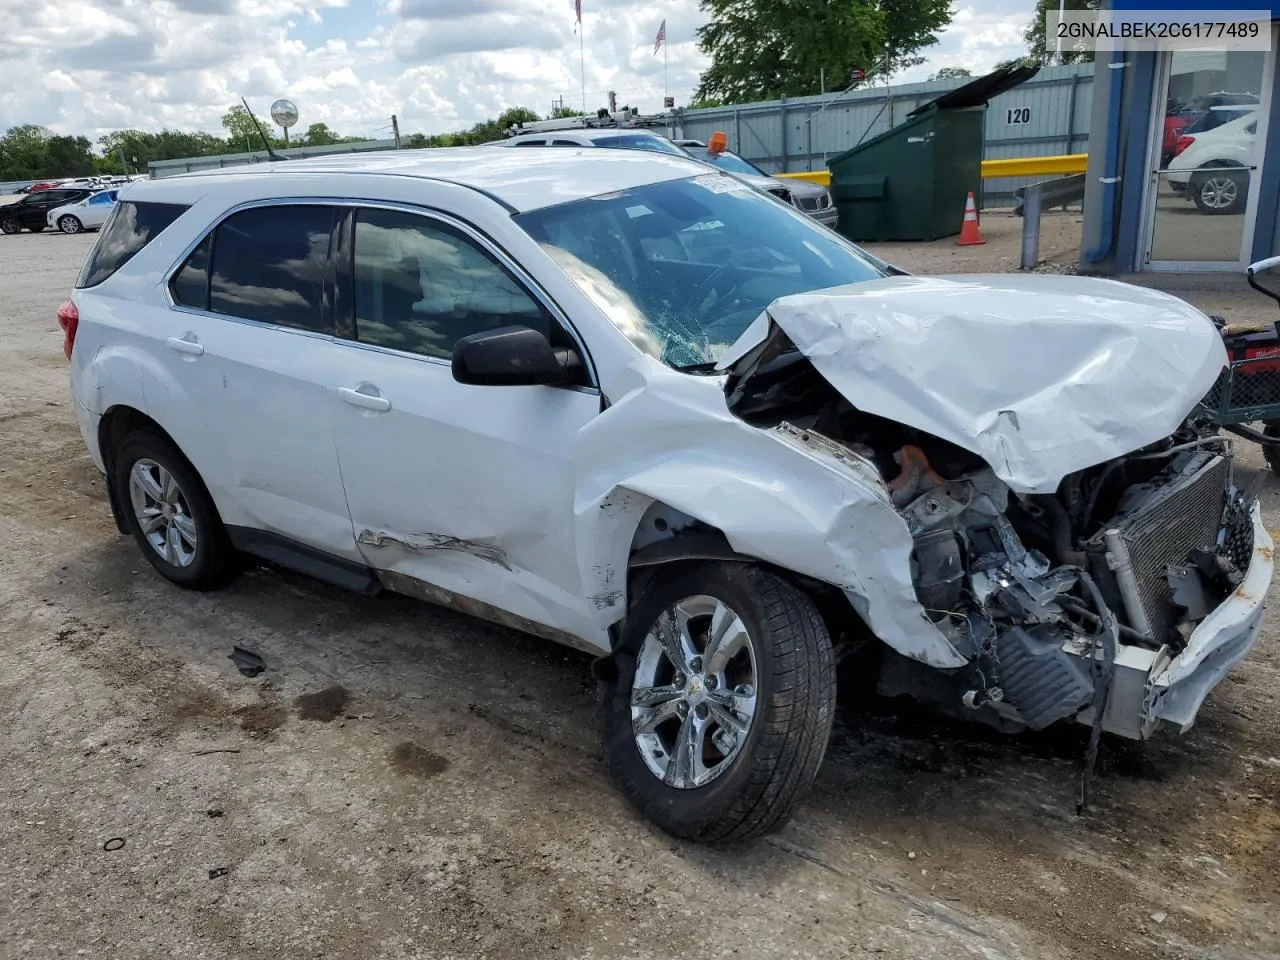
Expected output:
(69, 321)
(1182, 143)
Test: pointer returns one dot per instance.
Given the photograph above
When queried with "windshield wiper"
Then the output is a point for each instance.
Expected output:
(705, 366)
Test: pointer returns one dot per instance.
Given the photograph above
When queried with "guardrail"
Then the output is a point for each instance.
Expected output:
(1065, 164)
(1033, 200)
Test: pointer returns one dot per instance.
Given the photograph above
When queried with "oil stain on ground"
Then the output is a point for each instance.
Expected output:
(261, 719)
(323, 705)
(409, 758)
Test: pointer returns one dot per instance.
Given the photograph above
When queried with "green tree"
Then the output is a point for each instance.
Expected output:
(140, 147)
(22, 152)
(951, 73)
(1043, 50)
(318, 135)
(31, 152)
(560, 113)
(68, 156)
(517, 115)
(764, 49)
(242, 133)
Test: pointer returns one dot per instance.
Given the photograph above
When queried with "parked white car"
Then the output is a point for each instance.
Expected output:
(1211, 168)
(87, 214)
(629, 404)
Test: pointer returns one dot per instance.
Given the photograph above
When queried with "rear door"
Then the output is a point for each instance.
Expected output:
(34, 215)
(251, 335)
(96, 208)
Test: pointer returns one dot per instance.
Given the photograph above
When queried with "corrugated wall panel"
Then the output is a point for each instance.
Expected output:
(1046, 116)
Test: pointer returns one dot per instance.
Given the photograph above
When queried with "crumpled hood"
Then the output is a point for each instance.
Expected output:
(1041, 376)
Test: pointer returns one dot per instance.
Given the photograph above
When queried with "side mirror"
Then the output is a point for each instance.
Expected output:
(512, 357)
(1264, 276)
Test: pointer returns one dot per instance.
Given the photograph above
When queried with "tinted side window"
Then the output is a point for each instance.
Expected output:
(640, 141)
(420, 285)
(190, 285)
(271, 264)
(130, 226)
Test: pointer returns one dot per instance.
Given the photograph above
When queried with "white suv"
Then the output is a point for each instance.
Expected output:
(1211, 168)
(629, 404)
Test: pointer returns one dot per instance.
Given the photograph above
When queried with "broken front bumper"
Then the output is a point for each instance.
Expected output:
(1150, 688)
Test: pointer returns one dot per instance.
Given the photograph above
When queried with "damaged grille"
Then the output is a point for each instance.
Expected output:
(1183, 515)
(1238, 546)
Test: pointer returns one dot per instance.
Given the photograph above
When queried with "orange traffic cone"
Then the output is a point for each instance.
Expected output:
(970, 235)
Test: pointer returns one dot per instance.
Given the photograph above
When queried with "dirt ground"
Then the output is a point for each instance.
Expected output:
(403, 782)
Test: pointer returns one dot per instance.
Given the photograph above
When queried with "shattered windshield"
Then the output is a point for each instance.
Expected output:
(683, 267)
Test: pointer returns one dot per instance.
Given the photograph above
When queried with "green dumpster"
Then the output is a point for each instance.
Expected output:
(910, 183)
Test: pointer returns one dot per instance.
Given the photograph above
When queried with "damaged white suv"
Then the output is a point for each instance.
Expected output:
(637, 407)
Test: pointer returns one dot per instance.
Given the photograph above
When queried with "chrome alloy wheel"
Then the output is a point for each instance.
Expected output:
(1220, 192)
(162, 512)
(694, 694)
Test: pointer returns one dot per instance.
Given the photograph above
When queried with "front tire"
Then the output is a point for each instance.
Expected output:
(70, 224)
(170, 513)
(10, 225)
(719, 715)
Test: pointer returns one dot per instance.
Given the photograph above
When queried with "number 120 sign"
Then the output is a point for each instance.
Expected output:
(1018, 115)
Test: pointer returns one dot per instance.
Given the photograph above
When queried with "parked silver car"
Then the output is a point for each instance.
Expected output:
(813, 199)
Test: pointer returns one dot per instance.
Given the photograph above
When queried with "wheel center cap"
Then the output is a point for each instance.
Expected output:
(167, 511)
(696, 687)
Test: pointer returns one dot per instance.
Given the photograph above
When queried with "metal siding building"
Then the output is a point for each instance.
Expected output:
(168, 168)
(1046, 116)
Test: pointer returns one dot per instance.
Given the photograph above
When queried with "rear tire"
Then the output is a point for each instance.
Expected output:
(741, 783)
(37, 228)
(1220, 192)
(70, 224)
(184, 537)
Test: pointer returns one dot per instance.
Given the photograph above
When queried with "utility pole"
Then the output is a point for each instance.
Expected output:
(395, 130)
(124, 167)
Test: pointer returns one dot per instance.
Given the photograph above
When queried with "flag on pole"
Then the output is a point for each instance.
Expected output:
(577, 10)
(662, 35)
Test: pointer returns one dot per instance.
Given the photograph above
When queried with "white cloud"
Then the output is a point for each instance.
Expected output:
(99, 65)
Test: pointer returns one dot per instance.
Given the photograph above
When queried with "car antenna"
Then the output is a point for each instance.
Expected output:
(271, 154)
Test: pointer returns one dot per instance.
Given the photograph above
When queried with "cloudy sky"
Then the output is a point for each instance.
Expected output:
(89, 66)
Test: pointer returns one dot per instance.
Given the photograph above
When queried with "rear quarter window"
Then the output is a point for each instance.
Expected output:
(130, 227)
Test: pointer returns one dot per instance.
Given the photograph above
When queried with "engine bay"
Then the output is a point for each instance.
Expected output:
(1041, 593)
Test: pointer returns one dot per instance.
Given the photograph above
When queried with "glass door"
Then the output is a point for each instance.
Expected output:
(1206, 150)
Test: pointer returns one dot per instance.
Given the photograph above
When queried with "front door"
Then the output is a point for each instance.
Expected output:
(1207, 143)
(463, 490)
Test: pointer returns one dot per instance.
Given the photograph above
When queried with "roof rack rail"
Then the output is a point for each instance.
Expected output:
(602, 120)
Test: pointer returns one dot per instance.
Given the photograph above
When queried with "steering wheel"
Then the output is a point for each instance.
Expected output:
(711, 284)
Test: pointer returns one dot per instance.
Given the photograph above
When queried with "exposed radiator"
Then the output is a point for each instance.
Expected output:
(1183, 515)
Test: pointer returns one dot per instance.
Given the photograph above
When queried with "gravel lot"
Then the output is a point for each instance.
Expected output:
(404, 782)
